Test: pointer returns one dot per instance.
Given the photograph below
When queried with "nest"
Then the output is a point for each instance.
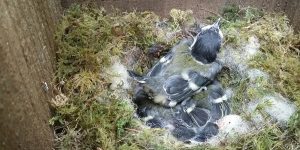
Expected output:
(92, 115)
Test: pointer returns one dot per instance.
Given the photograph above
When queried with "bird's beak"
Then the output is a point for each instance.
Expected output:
(217, 23)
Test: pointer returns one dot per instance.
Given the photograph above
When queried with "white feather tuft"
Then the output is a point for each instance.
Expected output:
(193, 86)
(185, 75)
(252, 46)
(163, 59)
(148, 118)
(190, 109)
(279, 108)
(220, 99)
(161, 99)
(230, 126)
(206, 27)
(172, 103)
(120, 76)
(221, 34)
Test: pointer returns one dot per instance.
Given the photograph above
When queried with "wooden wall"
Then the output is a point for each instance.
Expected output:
(27, 57)
(200, 8)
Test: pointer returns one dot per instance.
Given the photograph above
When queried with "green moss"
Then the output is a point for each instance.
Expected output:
(269, 138)
(279, 45)
(181, 18)
(279, 57)
(294, 126)
(96, 117)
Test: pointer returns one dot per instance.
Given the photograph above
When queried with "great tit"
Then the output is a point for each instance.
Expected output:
(171, 90)
(185, 123)
(207, 43)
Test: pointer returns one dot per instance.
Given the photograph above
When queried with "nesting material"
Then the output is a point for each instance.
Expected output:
(254, 74)
(256, 45)
(238, 57)
(276, 106)
(280, 109)
(252, 47)
(59, 100)
(119, 76)
(230, 127)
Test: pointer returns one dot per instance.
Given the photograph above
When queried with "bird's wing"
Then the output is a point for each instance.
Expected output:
(178, 89)
(175, 84)
(206, 47)
(160, 66)
(185, 119)
(182, 95)
(210, 129)
(155, 123)
(220, 110)
(181, 131)
(136, 77)
(226, 108)
(199, 116)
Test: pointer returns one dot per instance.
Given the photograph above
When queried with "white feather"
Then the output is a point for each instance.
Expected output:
(148, 118)
(185, 75)
(162, 60)
(221, 34)
(160, 99)
(194, 41)
(206, 27)
(172, 103)
(120, 76)
(193, 86)
(220, 99)
(142, 81)
(190, 109)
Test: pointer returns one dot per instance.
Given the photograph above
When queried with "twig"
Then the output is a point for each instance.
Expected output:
(296, 49)
(134, 130)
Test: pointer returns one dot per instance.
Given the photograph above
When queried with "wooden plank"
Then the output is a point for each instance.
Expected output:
(27, 58)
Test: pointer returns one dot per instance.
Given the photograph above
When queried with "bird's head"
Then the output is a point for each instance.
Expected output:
(207, 43)
(197, 78)
(141, 97)
(215, 27)
(216, 92)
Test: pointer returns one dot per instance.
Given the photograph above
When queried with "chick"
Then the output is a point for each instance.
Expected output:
(179, 59)
(198, 54)
(207, 43)
(214, 99)
(186, 123)
(169, 91)
(193, 125)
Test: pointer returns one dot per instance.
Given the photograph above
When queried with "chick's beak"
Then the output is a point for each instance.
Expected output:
(217, 23)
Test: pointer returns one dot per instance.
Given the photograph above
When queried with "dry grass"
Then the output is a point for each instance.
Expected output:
(96, 117)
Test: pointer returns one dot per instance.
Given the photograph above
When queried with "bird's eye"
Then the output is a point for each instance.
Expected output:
(215, 29)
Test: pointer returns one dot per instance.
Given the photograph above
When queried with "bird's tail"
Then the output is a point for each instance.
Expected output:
(136, 77)
(209, 130)
(220, 110)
